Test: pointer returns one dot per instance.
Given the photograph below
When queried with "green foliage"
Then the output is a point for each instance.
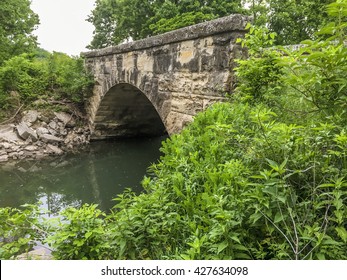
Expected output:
(36, 75)
(258, 10)
(67, 76)
(179, 21)
(24, 75)
(19, 230)
(17, 22)
(293, 21)
(79, 234)
(317, 70)
(260, 75)
(172, 15)
(313, 74)
(118, 20)
(219, 187)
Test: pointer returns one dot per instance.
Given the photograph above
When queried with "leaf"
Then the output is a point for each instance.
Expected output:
(222, 246)
(271, 190)
(242, 256)
(283, 199)
(328, 185)
(342, 233)
(240, 247)
(235, 238)
(255, 217)
(278, 217)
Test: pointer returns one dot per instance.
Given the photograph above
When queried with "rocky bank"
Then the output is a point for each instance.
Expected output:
(38, 135)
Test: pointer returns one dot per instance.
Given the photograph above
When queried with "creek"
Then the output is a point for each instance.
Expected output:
(96, 174)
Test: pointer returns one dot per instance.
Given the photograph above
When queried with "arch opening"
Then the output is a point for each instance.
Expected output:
(125, 111)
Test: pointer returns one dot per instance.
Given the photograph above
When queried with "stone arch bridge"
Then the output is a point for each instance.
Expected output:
(156, 85)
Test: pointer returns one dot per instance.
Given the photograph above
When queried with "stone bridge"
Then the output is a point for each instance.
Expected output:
(156, 85)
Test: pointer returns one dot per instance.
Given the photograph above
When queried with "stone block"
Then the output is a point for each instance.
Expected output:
(24, 131)
(47, 138)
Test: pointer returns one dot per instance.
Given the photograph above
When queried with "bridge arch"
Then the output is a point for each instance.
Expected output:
(126, 111)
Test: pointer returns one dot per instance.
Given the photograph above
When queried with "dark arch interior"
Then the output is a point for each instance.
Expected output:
(126, 112)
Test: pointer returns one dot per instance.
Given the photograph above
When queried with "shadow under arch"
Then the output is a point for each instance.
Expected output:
(125, 111)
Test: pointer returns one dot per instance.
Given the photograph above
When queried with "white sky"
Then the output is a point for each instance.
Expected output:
(63, 26)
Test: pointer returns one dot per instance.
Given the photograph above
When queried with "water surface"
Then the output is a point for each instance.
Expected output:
(96, 175)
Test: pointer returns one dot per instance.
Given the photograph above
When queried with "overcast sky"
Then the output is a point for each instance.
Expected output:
(63, 26)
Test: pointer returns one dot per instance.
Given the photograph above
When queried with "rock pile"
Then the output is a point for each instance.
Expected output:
(37, 136)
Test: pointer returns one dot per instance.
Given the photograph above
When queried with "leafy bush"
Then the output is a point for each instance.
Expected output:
(238, 183)
(68, 77)
(41, 74)
(24, 75)
(80, 234)
(180, 20)
(19, 231)
(260, 75)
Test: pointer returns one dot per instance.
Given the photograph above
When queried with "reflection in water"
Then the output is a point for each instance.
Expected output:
(96, 175)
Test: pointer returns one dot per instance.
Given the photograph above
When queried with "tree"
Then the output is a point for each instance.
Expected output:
(176, 14)
(258, 10)
(293, 20)
(118, 20)
(17, 22)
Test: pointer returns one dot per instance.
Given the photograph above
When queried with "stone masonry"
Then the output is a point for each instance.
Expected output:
(157, 85)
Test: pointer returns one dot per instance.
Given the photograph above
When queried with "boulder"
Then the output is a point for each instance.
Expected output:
(6, 145)
(41, 130)
(24, 131)
(53, 125)
(47, 138)
(63, 132)
(7, 133)
(13, 155)
(30, 148)
(55, 149)
(3, 158)
(65, 118)
(37, 254)
(30, 117)
(39, 155)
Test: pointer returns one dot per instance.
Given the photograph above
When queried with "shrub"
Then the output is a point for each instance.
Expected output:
(238, 183)
(79, 234)
(40, 74)
(259, 76)
(68, 77)
(306, 79)
(25, 75)
(20, 230)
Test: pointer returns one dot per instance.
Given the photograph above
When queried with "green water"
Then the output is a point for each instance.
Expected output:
(95, 175)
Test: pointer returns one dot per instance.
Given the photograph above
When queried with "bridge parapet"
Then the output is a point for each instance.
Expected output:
(160, 83)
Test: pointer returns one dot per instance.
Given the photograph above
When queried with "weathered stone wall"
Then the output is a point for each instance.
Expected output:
(180, 73)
